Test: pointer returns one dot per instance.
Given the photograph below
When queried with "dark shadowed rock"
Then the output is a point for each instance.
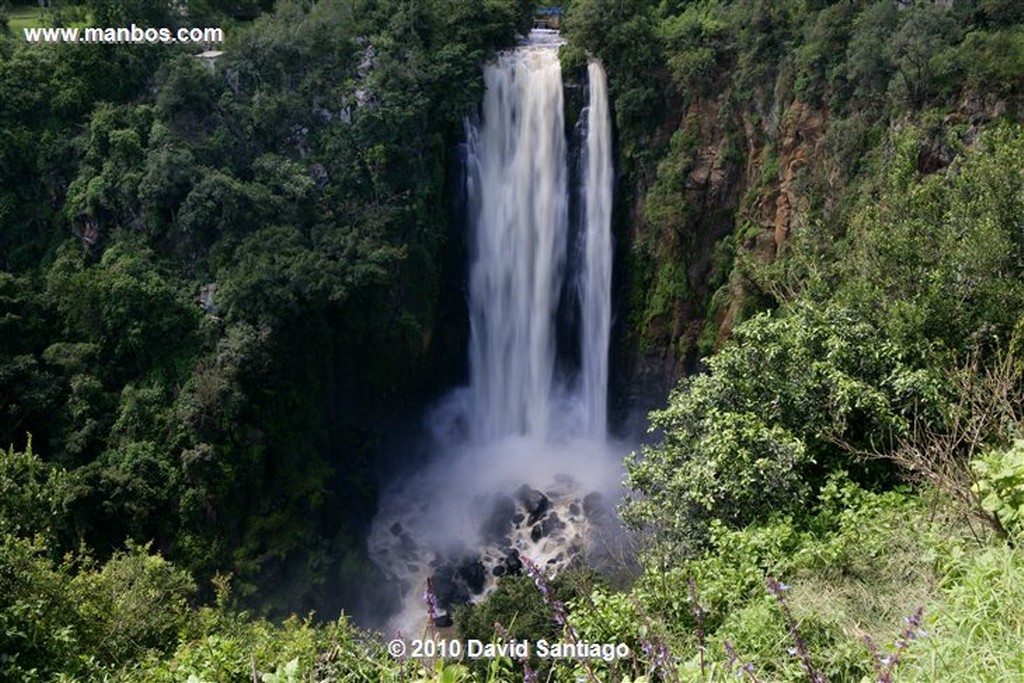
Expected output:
(533, 501)
(550, 524)
(474, 574)
(594, 505)
(449, 588)
(498, 522)
(513, 565)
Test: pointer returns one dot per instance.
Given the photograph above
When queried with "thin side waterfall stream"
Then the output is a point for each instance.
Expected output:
(521, 461)
(597, 266)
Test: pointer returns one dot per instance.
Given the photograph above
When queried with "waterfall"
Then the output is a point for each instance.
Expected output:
(597, 266)
(518, 199)
(518, 207)
(520, 460)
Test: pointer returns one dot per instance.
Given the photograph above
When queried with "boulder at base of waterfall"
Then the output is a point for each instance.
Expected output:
(550, 524)
(474, 574)
(449, 588)
(594, 506)
(533, 501)
(498, 522)
(513, 565)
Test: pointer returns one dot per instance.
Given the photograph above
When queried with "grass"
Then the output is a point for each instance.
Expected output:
(977, 627)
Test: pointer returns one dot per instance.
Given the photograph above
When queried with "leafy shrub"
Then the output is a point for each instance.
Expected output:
(994, 60)
(936, 261)
(33, 494)
(857, 563)
(757, 433)
(1000, 485)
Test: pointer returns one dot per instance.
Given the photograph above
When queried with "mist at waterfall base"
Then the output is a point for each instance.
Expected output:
(519, 460)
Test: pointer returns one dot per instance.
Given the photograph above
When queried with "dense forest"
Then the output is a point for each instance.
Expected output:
(223, 279)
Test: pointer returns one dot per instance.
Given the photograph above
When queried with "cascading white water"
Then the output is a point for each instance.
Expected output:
(597, 267)
(518, 204)
(518, 211)
(530, 438)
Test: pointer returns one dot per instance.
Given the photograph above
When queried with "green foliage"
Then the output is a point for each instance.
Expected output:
(665, 207)
(937, 259)
(624, 36)
(225, 647)
(1000, 485)
(515, 604)
(994, 59)
(917, 50)
(856, 563)
(33, 494)
(696, 40)
(974, 629)
(134, 603)
(74, 616)
(130, 618)
(755, 434)
(821, 59)
(295, 190)
(519, 608)
(731, 70)
(35, 635)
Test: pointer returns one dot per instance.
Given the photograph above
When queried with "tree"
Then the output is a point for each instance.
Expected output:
(759, 432)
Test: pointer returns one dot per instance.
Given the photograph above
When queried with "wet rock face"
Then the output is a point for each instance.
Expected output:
(595, 506)
(533, 501)
(449, 588)
(551, 525)
(456, 583)
(500, 520)
(510, 565)
(474, 575)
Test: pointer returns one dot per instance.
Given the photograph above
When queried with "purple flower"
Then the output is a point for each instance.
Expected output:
(885, 665)
(431, 599)
(558, 610)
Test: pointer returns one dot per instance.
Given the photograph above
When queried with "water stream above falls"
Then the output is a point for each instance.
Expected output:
(521, 464)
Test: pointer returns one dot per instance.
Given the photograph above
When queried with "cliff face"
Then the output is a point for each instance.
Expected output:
(744, 123)
(730, 192)
(774, 201)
